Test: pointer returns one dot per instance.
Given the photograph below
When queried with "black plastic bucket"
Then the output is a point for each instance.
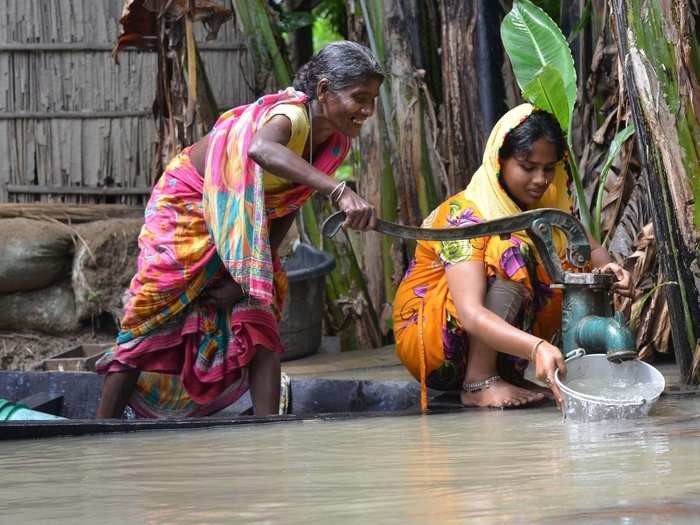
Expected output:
(302, 318)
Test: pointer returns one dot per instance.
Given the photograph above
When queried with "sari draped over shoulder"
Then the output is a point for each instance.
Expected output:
(193, 357)
(430, 340)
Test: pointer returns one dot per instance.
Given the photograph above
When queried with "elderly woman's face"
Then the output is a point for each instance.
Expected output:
(527, 177)
(347, 109)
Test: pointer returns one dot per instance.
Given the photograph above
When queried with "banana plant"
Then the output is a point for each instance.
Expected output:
(544, 68)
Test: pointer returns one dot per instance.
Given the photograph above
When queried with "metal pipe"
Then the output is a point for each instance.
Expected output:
(606, 335)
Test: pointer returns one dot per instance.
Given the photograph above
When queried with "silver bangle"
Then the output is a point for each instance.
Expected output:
(337, 192)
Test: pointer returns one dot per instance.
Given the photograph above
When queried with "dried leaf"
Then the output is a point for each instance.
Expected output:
(630, 223)
(139, 20)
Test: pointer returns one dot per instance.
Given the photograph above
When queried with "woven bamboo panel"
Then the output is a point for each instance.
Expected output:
(71, 117)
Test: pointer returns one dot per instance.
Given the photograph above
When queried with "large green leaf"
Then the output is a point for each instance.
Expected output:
(532, 41)
(546, 91)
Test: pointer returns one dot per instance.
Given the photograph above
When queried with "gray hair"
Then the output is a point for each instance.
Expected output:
(343, 63)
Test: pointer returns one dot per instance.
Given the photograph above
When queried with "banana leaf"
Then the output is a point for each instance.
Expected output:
(546, 91)
(536, 46)
(533, 40)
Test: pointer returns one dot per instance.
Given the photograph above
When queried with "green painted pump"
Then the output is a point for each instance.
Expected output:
(588, 320)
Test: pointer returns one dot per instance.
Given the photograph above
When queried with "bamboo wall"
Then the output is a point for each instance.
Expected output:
(74, 126)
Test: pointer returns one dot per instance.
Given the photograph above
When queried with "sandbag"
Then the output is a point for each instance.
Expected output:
(34, 254)
(103, 265)
(50, 310)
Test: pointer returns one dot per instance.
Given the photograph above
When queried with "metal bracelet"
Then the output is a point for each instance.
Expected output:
(340, 188)
(533, 353)
(479, 385)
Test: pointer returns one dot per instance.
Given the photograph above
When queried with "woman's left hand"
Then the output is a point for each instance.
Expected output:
(623, 286)
(223, 293)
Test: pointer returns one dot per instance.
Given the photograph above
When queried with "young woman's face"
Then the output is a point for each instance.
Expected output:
(348, 108)
(527, 177)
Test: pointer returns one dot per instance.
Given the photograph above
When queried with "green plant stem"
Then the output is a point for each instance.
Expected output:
(583, 210)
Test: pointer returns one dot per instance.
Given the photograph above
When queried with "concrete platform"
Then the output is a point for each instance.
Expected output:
(365, 365)
(360, 383)
(382, 364)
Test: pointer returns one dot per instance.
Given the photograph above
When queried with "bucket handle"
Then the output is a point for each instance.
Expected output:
(574, 354)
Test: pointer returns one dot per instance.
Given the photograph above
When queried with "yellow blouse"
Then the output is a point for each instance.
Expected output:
(299, 118)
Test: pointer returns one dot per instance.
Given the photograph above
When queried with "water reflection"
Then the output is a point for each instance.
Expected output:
(477, 466)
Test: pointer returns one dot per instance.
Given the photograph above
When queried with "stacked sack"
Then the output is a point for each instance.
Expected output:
(35, 289)
(53, 275)
(103, 265)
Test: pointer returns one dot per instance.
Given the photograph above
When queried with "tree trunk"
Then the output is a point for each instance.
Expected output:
(473, 86)
(411, 108)
(464, 130)
(659, 51)
(489, 53)
(376, 176)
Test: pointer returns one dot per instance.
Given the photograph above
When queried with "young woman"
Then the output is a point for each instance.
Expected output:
(200, 326)
(470, 314)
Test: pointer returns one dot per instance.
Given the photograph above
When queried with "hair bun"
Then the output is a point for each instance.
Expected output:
(301, 79)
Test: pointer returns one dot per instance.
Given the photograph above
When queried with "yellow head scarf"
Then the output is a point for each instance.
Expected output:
(486, 191)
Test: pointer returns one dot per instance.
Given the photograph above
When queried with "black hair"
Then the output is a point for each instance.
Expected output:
(343, 63)
(538, 125)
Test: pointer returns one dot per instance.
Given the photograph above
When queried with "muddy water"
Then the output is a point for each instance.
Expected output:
(479, 467)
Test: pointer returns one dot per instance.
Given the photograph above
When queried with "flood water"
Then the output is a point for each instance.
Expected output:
(518, 466)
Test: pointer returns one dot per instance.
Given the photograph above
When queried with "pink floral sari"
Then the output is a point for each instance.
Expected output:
(194, 357)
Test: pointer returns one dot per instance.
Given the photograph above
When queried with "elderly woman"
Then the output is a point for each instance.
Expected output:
(469, 314)
(200, 326)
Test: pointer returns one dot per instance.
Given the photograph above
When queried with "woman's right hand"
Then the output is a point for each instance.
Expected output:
(360, 215)
(548, 358)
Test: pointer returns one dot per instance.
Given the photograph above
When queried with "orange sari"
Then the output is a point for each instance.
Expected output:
(430, 340)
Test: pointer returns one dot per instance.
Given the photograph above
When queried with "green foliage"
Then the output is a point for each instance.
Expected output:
(546, 91)
(290, 21)
(533, 40)
(345, 172)
(544, 68)
(334, 12)
(324, 32)
(583, 22)
(615, 146)
(639, 305)
(94, 296)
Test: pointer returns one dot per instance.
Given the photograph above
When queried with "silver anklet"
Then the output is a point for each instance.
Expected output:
(480, 385)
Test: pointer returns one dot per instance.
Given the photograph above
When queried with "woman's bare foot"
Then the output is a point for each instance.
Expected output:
(533, 387)
(500, 394)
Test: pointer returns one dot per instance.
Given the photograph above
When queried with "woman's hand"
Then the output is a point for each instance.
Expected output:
(360, 214)
(548, 359)
(222, 293)
(623, 286)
